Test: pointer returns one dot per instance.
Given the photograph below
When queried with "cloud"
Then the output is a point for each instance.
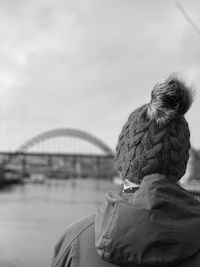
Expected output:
(87, 64)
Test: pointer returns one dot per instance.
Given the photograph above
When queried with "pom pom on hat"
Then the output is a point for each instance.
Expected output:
(169, 99)
(156, 137)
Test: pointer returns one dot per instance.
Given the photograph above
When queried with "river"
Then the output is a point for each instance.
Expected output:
(34, 216)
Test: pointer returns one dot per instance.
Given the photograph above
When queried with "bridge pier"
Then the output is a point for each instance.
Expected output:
(61, 165)
(23, 165)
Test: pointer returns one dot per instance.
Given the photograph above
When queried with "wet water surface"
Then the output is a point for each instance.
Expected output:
(34, 216)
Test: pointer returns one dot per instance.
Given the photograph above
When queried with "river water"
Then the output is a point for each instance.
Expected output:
(34, 216)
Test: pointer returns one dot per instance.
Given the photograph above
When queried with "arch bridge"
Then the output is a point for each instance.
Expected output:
(27, 159)
(65, 132)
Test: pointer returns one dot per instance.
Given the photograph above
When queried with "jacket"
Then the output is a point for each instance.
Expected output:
(158, 225)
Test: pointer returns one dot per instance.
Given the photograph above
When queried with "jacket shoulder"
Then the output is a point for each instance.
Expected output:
(67, 242)
(194, 261)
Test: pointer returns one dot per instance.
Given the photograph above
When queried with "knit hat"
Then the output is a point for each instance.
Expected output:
(156, 137)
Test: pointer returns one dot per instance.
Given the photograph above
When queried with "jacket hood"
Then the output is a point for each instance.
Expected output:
(157, 225)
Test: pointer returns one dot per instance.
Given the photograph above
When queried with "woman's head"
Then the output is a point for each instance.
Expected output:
(156, 137)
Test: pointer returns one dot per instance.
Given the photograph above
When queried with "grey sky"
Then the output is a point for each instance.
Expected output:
(87, 64)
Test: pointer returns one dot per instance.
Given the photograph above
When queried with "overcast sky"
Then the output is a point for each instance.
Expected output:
(86, 64)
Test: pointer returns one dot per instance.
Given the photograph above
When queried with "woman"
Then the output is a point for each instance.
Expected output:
(153, 222)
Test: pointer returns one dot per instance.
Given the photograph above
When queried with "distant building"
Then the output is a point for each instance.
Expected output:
(61, 166)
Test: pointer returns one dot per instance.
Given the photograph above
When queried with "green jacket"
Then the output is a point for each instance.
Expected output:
(158, 225)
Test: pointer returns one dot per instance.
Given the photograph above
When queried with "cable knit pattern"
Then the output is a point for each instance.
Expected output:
(144, 147)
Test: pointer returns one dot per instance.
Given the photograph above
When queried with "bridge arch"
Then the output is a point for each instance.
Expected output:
(62, 132)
